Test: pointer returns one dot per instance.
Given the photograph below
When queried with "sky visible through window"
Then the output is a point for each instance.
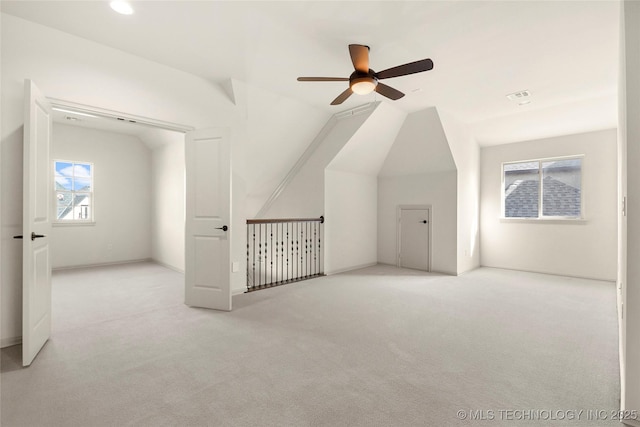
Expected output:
(73, 185)
(73, 176)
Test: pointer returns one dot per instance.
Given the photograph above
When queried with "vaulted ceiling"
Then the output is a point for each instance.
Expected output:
(564, 52)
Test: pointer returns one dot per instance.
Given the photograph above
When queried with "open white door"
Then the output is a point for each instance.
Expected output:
(208, 210)
(36, 229)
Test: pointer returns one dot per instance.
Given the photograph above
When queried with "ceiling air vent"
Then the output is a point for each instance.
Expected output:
(519, 96)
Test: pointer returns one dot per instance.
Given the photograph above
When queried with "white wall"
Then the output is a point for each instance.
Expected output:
(437, 189)
(466, 154)
(168, 201)
(571, 248)
(350, 232)
(630, 87)
(122, 198)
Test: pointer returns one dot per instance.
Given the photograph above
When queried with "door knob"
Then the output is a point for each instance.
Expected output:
(223, 228)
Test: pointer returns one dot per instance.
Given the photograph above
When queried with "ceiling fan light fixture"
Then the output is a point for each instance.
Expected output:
(122, 7)
(364, 85)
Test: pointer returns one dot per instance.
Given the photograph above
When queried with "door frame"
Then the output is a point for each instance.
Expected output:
(399, 209)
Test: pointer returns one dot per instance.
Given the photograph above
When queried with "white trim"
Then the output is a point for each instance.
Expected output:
(399, 209)
(118, 115)
(550, 273)
(70, 223)
(550, 220)
(238, 291)
(102, 264)
(10, 342)
(355, 267)
(169, 266)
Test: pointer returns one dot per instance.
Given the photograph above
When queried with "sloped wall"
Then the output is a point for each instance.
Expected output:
(351, 191)
(303, 197)
(419, 170)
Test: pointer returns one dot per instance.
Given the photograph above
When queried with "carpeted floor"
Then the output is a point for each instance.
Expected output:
(374, 347)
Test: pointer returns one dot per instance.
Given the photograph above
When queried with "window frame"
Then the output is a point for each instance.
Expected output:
(541, 216)
(73, 222)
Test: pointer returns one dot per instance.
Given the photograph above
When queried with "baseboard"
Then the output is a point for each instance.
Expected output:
(621, 342)
(548, 273)
(355, 267)
(9, 342)
(238, 291)
(169, 266)
(103, 264)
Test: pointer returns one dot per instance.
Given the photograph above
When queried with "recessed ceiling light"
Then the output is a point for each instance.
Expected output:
(122, 7)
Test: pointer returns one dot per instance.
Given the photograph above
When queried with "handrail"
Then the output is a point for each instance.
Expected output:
(279, 220)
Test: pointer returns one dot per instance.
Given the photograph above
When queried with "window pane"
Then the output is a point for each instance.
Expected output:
(521, 190)
(561, 187)
(82, 170)
(64, 206)
(63, 175)
(82, 184)
(82, 206)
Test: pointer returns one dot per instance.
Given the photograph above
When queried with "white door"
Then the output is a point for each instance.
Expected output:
(36, 229)
(413, 232)
(208, 210)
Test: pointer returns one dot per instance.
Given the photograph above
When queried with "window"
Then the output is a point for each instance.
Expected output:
(74, 191)
(546, 188)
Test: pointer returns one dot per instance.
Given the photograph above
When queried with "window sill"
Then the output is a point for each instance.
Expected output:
(73, 223)
(545, 220)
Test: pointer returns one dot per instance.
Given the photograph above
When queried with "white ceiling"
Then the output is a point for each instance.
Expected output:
(564, 52)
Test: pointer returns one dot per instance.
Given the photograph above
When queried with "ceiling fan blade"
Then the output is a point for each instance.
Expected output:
(403, 70)
(389, 92)
(342, 97)
(360, 57)
(323, 79)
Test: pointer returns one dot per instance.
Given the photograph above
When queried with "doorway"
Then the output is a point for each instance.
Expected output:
(414, 237)
(131, 179)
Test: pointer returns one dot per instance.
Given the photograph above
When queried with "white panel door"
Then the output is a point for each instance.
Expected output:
(36, 229)
(414, 239)
(208, 210)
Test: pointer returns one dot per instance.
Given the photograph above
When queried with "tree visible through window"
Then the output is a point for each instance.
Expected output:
(543, 188)
(74, 191)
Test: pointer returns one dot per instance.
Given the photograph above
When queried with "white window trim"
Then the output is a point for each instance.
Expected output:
(549, 219)
(73, 222)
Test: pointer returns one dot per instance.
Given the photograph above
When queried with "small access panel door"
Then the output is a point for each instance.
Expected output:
(413, 234)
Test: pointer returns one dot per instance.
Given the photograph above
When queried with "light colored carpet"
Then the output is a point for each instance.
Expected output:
(375, 347)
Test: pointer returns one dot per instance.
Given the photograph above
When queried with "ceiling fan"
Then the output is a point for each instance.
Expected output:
(364, 80)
